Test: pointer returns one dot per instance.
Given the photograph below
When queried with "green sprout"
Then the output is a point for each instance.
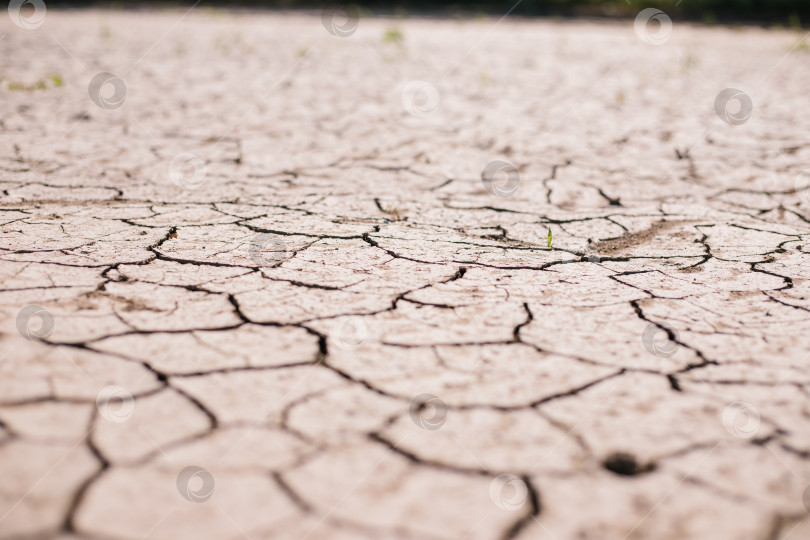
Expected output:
(393, 35)
(795, 22)
(40, 84)
(549, 237)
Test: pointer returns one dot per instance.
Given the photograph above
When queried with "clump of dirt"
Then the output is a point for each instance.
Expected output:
(629, 240)
(93, 299)
(736, 295)
(625, 464)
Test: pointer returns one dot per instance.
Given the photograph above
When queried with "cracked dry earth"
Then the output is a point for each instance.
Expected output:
(327, 327)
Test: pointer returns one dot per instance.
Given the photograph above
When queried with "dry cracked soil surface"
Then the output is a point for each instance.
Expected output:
(259, 280)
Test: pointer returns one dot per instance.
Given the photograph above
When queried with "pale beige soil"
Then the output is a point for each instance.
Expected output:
(275, 312)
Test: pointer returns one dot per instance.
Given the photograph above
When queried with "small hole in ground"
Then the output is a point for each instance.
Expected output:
(625, 464)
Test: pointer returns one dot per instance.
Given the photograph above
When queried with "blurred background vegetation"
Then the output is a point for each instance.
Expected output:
(793, 13)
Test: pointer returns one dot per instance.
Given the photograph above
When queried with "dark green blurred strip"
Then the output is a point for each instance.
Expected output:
(793, 13)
